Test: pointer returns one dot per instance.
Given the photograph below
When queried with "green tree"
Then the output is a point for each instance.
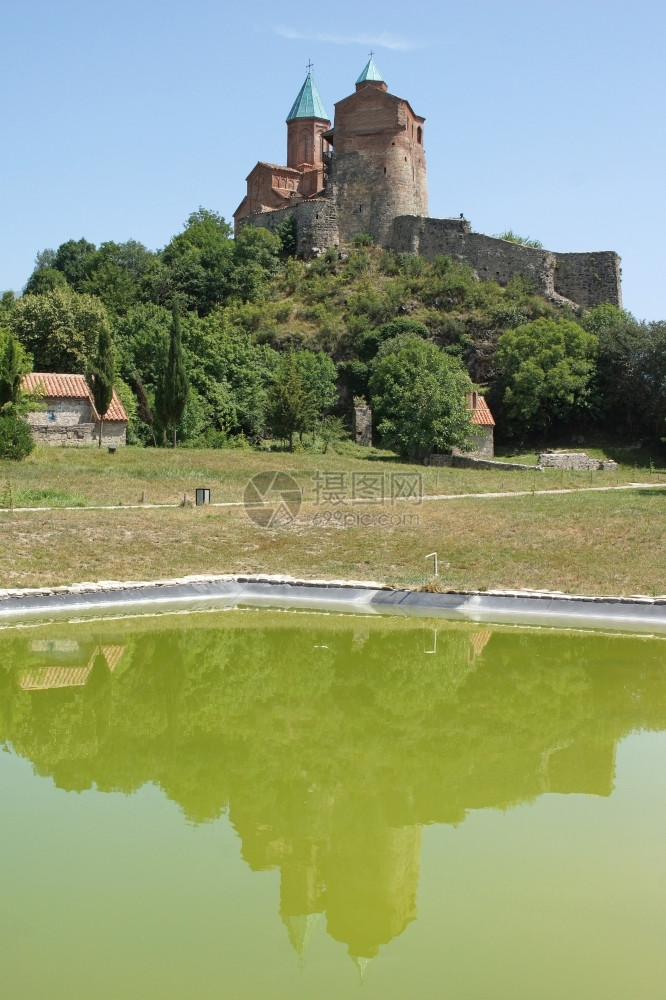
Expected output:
(59, 328)
(173, 387)
(630, 383)
(256, 258)
(287, 233)
(141, 339)
(198, 263)
(546, 371)
(16, 440)
(118, 273)
(101, 375)
(73, 258)
(230, 372)
(44, 279)
(419, 394)
(291, 406)
(14, 364)
(319, 376)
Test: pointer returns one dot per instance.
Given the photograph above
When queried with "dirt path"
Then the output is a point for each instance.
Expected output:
(428, 497)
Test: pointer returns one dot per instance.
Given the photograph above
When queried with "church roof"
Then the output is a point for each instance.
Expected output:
(308, 104)
(371, 73)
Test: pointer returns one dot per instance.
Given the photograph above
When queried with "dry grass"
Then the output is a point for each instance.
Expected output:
(601, 543)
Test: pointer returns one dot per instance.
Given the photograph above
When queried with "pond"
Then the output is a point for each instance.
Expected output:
(263, 804)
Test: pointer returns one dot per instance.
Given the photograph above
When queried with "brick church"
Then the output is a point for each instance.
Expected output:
(367, 174)
(371, 164)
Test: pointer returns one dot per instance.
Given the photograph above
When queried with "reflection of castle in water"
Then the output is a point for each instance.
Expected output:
(331, 746)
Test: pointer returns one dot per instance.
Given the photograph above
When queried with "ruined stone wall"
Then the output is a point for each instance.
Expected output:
(492, 259)
(585, 278)
(589, 278)
(574, 460)
(362, 424)
(316, 224)
(378, 166)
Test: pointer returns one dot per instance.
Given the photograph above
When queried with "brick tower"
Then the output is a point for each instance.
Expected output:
(307, 151)
(378, 166)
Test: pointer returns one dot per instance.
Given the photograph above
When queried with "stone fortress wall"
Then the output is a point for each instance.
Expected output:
(587, 279)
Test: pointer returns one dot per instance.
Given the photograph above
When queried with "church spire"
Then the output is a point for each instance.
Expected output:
(371, 72)
(371, 76)
(308, 103)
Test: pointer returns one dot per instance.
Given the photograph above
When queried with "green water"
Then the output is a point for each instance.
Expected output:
(273, 805)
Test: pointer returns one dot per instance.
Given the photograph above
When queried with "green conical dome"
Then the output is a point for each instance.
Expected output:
(308, 104)
(371, 73)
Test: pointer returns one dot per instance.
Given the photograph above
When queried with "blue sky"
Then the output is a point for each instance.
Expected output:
(120, 118)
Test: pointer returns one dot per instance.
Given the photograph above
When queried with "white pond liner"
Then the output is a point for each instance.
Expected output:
(210, 593)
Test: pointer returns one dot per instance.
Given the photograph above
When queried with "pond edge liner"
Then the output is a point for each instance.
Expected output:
(216, 592)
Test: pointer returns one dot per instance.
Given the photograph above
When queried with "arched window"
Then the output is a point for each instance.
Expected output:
(419, 135)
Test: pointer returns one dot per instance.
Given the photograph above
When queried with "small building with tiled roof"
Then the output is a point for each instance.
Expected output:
(484, 427)
(67, 414)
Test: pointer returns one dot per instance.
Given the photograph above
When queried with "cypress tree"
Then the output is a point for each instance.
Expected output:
(144, 406)
(173, 388)
(12, 369)
(100, 377)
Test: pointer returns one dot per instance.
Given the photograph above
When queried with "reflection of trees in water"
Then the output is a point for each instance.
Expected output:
(331, 748)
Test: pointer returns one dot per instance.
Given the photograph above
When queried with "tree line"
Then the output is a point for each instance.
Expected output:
(215, 341)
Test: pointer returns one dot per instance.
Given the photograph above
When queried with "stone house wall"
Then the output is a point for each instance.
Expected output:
(75, 435)
(62, 413)
(73, 424)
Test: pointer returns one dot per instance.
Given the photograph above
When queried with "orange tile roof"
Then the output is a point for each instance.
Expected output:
(46, 678)
(71, 387)
(481, 412)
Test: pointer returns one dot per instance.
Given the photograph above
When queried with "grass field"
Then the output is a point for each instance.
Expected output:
(79, 477)
(585, 542)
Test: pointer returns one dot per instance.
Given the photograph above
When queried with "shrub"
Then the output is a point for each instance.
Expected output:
(16, 440)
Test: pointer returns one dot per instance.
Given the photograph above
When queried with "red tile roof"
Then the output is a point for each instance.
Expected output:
(71, 387)
(480, 410)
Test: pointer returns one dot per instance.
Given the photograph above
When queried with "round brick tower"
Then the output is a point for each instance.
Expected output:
(378, 167)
